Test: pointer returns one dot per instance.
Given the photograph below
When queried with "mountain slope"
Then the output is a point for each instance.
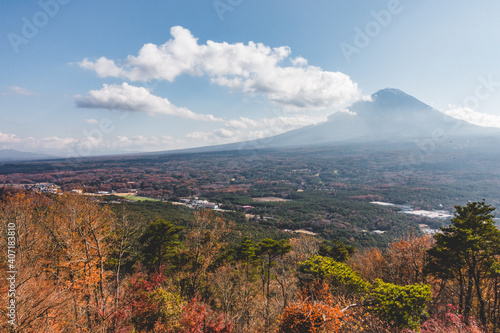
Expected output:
(11, 155)
(391, 116)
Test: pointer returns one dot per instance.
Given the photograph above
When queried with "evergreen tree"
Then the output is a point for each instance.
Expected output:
(160, 240)
(466, 254)
(336, 250)
(268, 250)
(246, 251)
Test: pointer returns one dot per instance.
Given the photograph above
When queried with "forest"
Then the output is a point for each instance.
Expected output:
(84, 265)
(325, 190)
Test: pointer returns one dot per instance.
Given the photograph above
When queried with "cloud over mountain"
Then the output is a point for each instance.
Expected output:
(472, 116)
(244, 129)
(253, 68)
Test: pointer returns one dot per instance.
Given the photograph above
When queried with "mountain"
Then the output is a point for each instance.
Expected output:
(11, 155)
(390, 117)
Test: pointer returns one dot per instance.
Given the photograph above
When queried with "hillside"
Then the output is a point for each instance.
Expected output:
(12, 155)
(391, 116)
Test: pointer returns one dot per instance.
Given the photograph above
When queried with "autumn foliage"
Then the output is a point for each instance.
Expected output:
(82, 267)
(61, 251)
(313, 314)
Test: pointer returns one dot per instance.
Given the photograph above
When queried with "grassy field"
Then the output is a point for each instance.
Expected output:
(138, 198)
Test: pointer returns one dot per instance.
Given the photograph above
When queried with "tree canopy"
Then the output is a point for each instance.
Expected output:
(466, 254)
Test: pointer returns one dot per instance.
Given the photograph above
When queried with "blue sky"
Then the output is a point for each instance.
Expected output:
(94, 77)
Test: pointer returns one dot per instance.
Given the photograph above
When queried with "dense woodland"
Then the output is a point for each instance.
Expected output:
(90, 263)
(89, 266)
(328, 188)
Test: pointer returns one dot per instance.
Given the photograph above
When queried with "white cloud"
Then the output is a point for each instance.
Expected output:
(241, 123)
(224, 133)
(54, 143)
(126, 97)
(243, 129)
(286, 123)
(13, 141)
(199, 135)
(87, 146)
(140, 142)
(92, 121)
(472, 116)
(9, 138)
(103, 67)
(299, 61)
(221, 136)
(253, 68)
(233, 131)
(19, 91)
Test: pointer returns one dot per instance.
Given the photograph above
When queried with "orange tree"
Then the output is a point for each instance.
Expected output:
(312, 314)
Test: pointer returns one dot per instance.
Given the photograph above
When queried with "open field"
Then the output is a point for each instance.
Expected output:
(138, 198)
(269, 199)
